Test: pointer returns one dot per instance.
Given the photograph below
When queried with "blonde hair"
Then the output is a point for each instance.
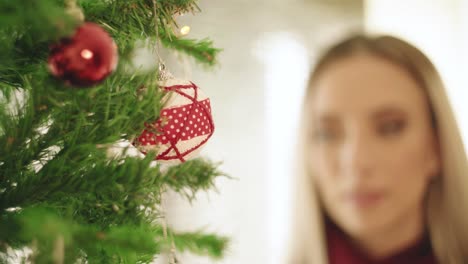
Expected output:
(447, 197)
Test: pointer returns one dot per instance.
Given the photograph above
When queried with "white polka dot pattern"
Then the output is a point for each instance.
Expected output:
(181, 128)
(192, 123)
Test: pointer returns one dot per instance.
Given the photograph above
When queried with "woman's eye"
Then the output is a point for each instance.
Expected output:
(391, 128)
(325, 135)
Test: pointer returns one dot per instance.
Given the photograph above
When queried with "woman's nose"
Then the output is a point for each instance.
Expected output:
(358, 154)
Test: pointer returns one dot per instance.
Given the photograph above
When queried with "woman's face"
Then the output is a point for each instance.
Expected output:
(373, 147)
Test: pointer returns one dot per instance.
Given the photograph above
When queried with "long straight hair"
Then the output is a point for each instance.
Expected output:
(446, 202)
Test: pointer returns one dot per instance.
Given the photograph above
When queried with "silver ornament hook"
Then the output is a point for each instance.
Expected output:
(163, 73)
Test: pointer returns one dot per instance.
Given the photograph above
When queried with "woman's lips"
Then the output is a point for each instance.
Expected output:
(364, 199)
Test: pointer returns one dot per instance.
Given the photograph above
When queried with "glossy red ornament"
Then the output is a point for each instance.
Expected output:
(86, 58)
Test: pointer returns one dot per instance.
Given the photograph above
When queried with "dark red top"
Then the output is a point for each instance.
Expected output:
(341, 251)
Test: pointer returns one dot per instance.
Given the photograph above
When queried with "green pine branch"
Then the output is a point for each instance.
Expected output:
(201, 50)
(25, 47)
(75, 116)
(27, 28)
(202, 244)
(192, 176)
(50, 235)
(58, 186)
(134, 20)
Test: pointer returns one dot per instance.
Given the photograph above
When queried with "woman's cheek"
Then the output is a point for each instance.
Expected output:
(405, 170)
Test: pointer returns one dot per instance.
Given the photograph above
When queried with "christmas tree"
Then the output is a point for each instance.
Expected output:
(69, 90)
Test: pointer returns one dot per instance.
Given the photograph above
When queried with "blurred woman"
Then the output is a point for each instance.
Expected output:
(384, 173)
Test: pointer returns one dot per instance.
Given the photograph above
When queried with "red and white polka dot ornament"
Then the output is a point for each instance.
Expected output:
(184, 126)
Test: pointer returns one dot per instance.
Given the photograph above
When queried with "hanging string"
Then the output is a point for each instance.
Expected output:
(172, 255)
(161, 65)
(156, 27)
(163, 75)
(58, 254)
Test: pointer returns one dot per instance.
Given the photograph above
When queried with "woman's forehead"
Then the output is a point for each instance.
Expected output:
(364, 83)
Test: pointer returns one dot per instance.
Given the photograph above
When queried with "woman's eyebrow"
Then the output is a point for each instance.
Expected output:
(330, 117)
(326, 117)
(388, 111)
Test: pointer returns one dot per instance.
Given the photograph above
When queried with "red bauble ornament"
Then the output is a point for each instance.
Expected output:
(86, 58)
(184, 126)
